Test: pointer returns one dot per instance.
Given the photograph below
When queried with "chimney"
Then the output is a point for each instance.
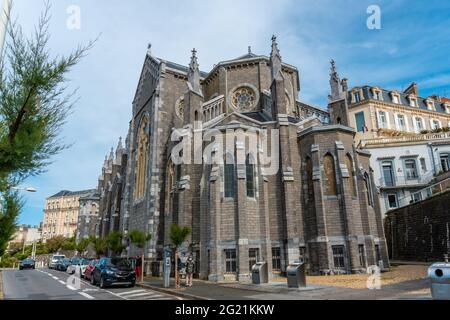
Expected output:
(412, 89)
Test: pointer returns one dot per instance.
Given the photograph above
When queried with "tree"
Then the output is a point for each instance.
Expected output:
(178, 235)
(139, 238)
(69, 244)
(114, 241)
(82, 246)
(10, 207)
(100, 246)
(34, 105)
(55, 243)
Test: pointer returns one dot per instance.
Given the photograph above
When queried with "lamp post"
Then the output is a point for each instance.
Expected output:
(29, 189)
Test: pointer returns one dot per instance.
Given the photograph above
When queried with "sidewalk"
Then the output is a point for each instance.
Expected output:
(204, 290)
(1, 286)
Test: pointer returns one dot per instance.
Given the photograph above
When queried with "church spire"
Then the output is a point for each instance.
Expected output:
(194, 73)
(119, 145)
(105, 163)
(149, 49)
(335, 83)
(275, 58)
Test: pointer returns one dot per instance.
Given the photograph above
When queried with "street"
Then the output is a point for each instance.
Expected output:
(46, 284)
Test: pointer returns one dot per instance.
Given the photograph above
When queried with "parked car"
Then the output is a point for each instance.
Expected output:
(89, 268)
(54, 260)
(62, 264)
(27, 264)
(112, 272)
(74, 264)
(83, 266)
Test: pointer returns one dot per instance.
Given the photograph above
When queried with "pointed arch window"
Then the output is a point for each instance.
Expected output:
(369, 193)
(330, 175)
(141, 159)
(229, 176)
(309, 180)
(349, 163)
(250, 176)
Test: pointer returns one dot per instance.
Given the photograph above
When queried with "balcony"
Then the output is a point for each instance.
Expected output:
(428, 192)
(213, 109)
(444, 136)
(401, 181)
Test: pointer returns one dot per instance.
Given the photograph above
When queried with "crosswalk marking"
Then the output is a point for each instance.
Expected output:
(129, 292)
(132, 296)
(86, 295)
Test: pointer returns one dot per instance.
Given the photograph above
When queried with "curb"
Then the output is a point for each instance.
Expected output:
(172, 292)
(1, 286)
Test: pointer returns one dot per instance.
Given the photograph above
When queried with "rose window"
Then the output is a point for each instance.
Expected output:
(244, 98)
(180, 108)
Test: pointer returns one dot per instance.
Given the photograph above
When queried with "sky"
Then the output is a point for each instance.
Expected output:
(412, 45)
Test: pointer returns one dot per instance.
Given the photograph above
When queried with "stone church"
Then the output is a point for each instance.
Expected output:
(288, 185)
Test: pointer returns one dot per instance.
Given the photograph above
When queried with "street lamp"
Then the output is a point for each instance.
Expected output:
(29, 189)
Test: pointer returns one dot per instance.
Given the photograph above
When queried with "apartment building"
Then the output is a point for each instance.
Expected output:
(61, 214)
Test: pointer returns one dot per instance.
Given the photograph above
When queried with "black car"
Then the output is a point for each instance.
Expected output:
(112, 272)
(62, 264)
(27, 264)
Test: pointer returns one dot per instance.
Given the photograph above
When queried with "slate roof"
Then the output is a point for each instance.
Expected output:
(66, 193)
(258, 116)
(403, 99)
(180, 67)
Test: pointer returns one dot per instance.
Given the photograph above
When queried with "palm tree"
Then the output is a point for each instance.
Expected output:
(82, 246)
(114, 242)
(178, 235)
(139, 238)
(100, 246)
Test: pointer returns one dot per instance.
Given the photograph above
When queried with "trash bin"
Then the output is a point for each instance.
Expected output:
(296, 275)
(260, 273)
(439, 274)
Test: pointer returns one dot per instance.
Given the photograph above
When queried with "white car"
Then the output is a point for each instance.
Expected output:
(78, 266)
(54, 260)
(84, 264)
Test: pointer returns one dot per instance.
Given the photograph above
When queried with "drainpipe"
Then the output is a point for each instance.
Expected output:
(430, 145)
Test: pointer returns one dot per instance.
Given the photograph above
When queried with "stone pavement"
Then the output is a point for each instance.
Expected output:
(204, 290)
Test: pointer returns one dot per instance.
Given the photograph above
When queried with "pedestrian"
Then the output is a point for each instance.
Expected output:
(138, 267)
(189, 271)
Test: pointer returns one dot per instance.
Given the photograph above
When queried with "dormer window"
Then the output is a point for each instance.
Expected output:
(357, 95)
(446, 106)
(413, 101)
(430, 105)
(377, 94)
(395, 97)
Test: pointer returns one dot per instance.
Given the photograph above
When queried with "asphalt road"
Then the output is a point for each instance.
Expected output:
(45, 284)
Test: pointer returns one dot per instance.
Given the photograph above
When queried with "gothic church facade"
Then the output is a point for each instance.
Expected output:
(319, 205)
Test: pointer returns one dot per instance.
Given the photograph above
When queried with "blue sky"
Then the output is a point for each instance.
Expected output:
(412, 45)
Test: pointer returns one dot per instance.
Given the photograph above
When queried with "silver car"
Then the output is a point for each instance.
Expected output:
(54, 260)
